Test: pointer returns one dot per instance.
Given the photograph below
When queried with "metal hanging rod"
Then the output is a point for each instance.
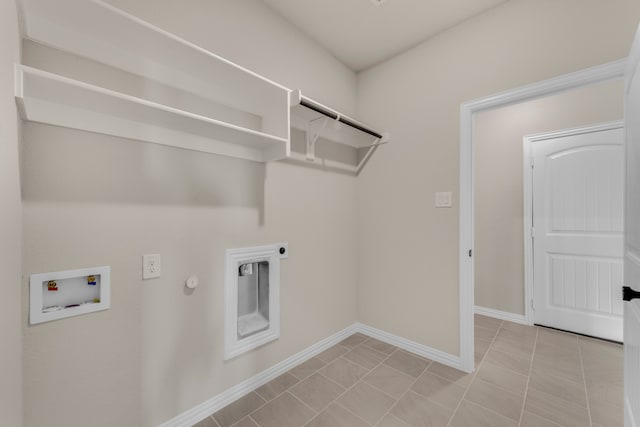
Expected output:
(326, 111)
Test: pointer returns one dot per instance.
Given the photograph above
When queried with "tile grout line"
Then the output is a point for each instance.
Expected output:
(266, 402)
(253, 419)
(543, 416)
(526, 390)
(475, 373)
(244, 416)
(394, 417)
(398, 349)
(584, 381)
(403, 395)
(305, 404)
(366, 345)
(351, 412)
(362, 380)
(316, 413)
(287, 389)
(386, 357)
(410, 388)
(395, 400)
(355, 383)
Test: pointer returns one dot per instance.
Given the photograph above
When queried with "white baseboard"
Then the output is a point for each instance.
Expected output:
(502, 315)
(211, 406)
(411, 346)
(205, 409)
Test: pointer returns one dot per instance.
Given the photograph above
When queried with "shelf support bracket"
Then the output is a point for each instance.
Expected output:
(313, 135)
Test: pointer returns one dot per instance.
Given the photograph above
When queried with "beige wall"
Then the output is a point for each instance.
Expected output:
(94, 200)
(250, 34)
(10, 225)
(408, 250)
(498, 150)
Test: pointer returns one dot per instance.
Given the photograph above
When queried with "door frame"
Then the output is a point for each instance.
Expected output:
(590, 76)
(527, 162)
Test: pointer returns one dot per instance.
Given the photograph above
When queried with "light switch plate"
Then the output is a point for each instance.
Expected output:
(151, 266)
(443, 199)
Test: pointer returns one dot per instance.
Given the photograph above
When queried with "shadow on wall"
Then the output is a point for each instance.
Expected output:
(66, 165)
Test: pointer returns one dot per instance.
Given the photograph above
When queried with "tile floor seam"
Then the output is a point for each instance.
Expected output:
(347, 350)
(433, 401)
(309, 359)
(380, 390)
(405, 392)
(266, 402)
(238, 422)
(526, 390)
(394, 417)
(493, 411)
(354, 384)
(345, 408)
(393, 374)
(504, 368)
(293, 385)
(474, 374)
(362, 379)
(567, 379)
(562, 378)
(584, 381)
(371, 338)
(334, 382)
(502, 388)
(333, 401)
(430, 362)
(353, 413)
(403, 373)
(442, 376)
(242, 397)
(409, 390)
(386, 356)
(346, 389)
(305, 404)
(298, 381)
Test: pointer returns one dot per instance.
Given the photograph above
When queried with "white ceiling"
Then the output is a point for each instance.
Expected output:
(362, 33)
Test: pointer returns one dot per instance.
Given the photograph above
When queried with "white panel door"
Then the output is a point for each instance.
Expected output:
(632, 239)
(577, 232)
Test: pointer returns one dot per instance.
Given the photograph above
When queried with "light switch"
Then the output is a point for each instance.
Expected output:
(443, 199)
(151, 266)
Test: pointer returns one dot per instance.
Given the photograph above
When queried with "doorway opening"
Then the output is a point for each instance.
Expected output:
(469, 112)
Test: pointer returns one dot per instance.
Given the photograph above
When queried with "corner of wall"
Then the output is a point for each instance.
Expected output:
(11, 386)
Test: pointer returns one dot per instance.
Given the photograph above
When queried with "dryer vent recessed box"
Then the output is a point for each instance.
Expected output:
(68, 293)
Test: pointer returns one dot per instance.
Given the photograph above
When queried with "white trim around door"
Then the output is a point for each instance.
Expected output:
(606, 72)
(528, 200)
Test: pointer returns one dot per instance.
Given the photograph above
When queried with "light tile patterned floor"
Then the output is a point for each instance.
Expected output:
(525, 376)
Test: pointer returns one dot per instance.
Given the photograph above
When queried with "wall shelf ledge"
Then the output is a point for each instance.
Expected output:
(319, 121)
(53, 99)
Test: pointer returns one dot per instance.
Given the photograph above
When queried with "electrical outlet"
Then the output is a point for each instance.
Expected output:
(151, 266)
(443, 199)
